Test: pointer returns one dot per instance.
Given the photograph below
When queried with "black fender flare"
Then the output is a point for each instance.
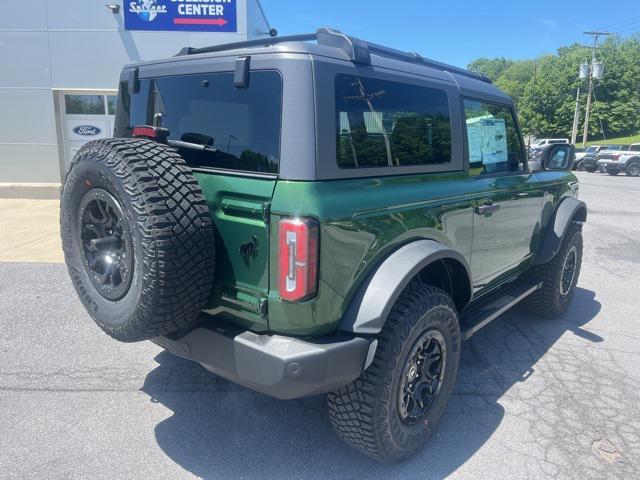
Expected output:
(374, 299)
(570, 209)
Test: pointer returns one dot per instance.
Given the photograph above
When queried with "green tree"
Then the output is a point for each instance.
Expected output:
(515, 77)
(544, 88)
(491, 67)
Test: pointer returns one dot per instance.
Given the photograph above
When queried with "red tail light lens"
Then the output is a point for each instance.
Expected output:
(144, 132)
(298, 259)
(147, 131)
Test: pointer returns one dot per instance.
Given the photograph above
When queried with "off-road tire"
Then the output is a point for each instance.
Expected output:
(548, 301)
(170, 229)
(633, 169)
(613, 172)
(590, 169)
(365, 413)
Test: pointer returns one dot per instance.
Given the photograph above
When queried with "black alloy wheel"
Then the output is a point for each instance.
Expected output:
(106, 243)
(422, 377)
(568, 271)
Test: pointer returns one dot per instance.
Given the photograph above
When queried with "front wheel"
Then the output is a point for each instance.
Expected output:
(393, 408)
(559, 277)
(613, 172)
(633, 169)
(590, 169)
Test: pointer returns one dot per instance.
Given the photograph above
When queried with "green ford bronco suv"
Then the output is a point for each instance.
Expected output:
(318, 214)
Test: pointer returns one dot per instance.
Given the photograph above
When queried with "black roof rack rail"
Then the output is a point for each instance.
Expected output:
(417, 58)
(260, 42)
(359, 51)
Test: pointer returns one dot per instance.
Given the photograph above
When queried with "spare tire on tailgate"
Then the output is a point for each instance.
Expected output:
(137, 237)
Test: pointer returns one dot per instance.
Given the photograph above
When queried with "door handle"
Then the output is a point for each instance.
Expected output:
(487, 208)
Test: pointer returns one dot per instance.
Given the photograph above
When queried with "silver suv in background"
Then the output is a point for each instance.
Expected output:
(589, 160)
(621, 160)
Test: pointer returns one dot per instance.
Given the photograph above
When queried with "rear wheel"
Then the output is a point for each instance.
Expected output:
(590, 169)
(559, 277)
(394, 407)
(633, 169)
(137, 238)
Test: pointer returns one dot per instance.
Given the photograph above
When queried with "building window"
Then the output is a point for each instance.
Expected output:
(389, 124)
(84, 104)
(111, 104)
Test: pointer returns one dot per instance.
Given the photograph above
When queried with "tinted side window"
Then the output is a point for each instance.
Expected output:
(381, 123)
(220, 126)
(493, 139)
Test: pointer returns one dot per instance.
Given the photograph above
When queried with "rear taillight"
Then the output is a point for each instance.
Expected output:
(150, 132)
(298, 258)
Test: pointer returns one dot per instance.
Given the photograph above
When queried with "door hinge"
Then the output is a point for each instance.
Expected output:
(266, 212)
(264, 307)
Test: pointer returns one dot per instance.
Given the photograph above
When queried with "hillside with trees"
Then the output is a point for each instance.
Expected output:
(544, 89)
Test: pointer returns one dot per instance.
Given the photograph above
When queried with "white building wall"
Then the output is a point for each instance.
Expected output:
(50, 45)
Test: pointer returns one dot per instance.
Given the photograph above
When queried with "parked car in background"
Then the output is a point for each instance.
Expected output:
(548, 141)
(579, 155)
(625, 160)
(589, 161)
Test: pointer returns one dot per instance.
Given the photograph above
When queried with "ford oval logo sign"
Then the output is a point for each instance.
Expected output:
(86, 130)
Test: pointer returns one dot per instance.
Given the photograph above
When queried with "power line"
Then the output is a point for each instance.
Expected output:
(620, 23)
(634, 27)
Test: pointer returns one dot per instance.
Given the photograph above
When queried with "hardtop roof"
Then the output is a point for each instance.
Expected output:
(335, 45)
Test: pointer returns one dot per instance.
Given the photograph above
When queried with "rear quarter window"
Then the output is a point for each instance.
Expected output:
(217, 125)
(381, 123)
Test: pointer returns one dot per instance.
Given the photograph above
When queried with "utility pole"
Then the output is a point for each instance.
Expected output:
(595, 36)
(576, 118)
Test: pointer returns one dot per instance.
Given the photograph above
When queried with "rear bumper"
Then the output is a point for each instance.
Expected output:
(283, 367)
(609, 165)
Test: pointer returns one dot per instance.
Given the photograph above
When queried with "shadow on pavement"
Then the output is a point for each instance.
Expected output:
(220, 430)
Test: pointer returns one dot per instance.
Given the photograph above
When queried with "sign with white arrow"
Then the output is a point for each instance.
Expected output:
(189, 15)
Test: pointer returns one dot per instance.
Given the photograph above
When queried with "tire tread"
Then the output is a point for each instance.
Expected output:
(175, 224)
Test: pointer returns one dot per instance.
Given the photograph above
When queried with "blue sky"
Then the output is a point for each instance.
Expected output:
(457, 32)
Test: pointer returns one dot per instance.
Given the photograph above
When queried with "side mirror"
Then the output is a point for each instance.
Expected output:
(558, 156)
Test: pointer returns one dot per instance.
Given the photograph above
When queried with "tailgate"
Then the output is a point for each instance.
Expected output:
(240, 211)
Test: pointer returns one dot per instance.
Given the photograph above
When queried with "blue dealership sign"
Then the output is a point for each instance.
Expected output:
(189, 15)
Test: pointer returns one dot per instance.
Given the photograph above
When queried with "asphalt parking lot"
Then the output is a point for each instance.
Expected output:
(535, 398)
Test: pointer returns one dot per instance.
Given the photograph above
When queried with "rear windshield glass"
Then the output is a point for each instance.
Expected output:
(216, 124)
(381, 123)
